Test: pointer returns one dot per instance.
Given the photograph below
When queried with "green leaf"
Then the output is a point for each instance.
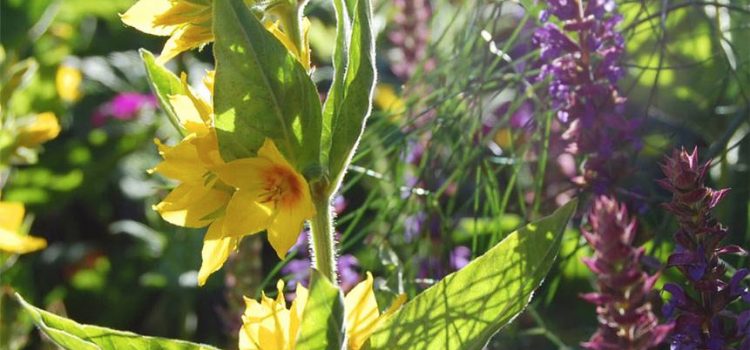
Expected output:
(68, 334)
(164, 84)
(467, 307)
(18, 74)
(262, 91)
(350, 96)
(323, 318)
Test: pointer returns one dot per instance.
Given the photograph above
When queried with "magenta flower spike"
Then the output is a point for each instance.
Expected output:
(626, 317)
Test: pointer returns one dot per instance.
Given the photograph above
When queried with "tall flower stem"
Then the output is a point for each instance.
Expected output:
(321, 238)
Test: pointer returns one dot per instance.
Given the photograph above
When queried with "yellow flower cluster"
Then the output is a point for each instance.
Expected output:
(188, 24)
(234, 199)
(12, 239)
(269, 325)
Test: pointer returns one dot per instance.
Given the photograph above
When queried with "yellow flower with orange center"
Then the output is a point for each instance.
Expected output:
(269, 325)
(270, 195)
(235, 199)
(12, 240)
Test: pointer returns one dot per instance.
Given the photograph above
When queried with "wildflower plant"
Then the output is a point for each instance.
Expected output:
(702, 314)
(265, 155)
(626, 316)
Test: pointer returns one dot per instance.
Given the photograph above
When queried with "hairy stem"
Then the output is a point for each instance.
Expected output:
(321, 239)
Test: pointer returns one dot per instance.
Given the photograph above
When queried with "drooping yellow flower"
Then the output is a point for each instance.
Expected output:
(270, 195)
(186, 22)
(268, 325)
(11, 239)
(68, 83)
(42, 128)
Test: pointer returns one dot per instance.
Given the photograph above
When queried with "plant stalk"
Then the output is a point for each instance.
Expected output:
(321, 239)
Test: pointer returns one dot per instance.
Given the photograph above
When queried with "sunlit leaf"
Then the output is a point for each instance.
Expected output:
(261, 91)
(350, 97)
(164, 84)
(68, 334)
(323, 318)
(467, 307)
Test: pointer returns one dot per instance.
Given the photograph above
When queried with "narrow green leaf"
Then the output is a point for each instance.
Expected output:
(323, 318)
(261, 91)
(17, 75)
(467, 307)
(350, 98)
(164, 84)
(70, 335)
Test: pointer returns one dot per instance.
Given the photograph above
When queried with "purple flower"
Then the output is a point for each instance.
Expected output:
(410, 37)
(626, 320)
(125, 106)
(700, 312)
(460, 257)
(581, 59)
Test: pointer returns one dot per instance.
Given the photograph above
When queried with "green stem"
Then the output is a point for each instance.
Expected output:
(321, 236)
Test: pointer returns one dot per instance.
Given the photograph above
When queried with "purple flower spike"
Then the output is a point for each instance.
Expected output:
(581, 58)
(626, 319)
(701, 320)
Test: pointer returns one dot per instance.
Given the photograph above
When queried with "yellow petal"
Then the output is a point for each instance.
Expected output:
(361, 313)
(271, 152)
(11, 216)
(185, 38)
(287, 226)
(296, 311)
(44, 128)
(144, 13)
(216, 250)
(245, 173)
(68, 83)
(197, 107)
(189, 205)
(181, 162)
(207, 146)
(14, 243)
(188, 114)
(244, 215)
(209, 79)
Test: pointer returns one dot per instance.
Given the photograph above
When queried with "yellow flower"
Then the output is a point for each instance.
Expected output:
(188, 25)
(68, 83)
(186, 22)
(11, 240)
(43, 128)
(271, 195)
(268, 325)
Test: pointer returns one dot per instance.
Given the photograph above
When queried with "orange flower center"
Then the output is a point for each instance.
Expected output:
(281, 186)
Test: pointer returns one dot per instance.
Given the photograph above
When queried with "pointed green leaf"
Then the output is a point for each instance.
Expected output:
(323, 318)
(350, 97)
(164, 84)
(467, 307)
(70, 335)
(261, 91)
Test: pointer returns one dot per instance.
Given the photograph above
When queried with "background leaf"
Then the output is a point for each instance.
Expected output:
(262, 91)
(350, 97)
(323, 318)
(467, 307)
(71, 335)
